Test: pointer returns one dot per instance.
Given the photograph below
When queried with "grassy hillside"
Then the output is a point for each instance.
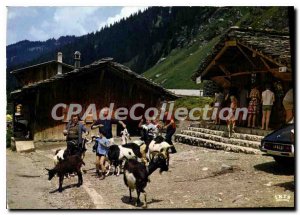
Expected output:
(179, 65)
(176, 70)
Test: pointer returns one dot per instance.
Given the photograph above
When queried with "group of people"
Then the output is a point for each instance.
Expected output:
(75, 129)
(255, 101)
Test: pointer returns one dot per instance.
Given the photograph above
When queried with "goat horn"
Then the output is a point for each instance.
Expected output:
(47, 169)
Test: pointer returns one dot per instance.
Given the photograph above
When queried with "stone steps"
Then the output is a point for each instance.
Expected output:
(197, 141)
(244, 140)
(250, 131)
(242, 136)
(218, 138)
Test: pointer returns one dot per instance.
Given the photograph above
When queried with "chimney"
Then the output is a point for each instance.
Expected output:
(77, 58)
(59, 57)
(59, 60)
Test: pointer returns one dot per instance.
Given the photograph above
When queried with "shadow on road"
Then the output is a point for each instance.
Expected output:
(125, 199)
(28, 176)
(287, 185)
(275, 168)
(64, 188)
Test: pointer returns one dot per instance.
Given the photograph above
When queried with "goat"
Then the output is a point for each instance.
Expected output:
(69, 165)
(147, 134)
(61, 154)
(136, 175)
(153, 143)
(157, 144)
(125, 136)
(58, 156)
(118, 153)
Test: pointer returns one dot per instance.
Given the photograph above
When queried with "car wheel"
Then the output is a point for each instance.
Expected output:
(285, 161)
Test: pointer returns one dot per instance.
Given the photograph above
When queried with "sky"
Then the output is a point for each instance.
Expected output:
(42, 23)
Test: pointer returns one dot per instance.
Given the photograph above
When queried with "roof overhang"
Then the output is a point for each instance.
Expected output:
(273, 52)
(24, 69)
(105, 62)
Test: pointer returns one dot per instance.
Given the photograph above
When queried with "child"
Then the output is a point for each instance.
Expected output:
(231, 117)
(101, 148)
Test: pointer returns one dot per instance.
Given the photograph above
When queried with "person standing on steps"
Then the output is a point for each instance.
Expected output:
(253, 106)
(268, 99)
(288, 104)
(219, 100)
(231, 117)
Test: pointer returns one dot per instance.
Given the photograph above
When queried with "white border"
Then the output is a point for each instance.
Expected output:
(3, 13)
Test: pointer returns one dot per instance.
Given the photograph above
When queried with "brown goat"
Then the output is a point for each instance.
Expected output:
(71, 164)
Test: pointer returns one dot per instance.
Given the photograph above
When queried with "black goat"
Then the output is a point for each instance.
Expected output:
(136, 175)
(67, 166)
(117, 153)
(61, 154)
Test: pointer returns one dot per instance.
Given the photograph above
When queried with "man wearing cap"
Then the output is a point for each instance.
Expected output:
(73, 132)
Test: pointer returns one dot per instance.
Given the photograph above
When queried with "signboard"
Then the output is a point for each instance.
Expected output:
(282, 69)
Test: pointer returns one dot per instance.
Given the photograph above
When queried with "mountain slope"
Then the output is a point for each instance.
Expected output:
(175, 70)
(25, 51)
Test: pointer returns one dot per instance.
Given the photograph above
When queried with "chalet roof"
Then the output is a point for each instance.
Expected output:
(40, 65)
(105, 62)
(275, 46)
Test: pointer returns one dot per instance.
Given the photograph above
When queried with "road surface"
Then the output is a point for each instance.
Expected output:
(197, 178)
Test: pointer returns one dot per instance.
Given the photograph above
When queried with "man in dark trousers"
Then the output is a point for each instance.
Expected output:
(105, 125)
(73, 132)
(170, 126)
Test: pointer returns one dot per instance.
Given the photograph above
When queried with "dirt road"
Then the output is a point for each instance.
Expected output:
(198, 178)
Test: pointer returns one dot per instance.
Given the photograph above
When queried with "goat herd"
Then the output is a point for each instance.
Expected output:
(137, 160)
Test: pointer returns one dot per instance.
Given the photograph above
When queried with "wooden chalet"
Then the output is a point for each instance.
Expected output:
(246, 56)
(103, 82)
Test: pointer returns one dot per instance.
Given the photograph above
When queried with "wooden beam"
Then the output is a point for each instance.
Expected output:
(222, 67)
(243, 73)
(286, 76)
(246, 56)
(102, 75)
(221, 81)
(213, 62)
(265, 63)
(264, 56)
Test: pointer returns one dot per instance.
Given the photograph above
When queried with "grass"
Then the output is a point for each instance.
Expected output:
(193, 102)
(176, 70)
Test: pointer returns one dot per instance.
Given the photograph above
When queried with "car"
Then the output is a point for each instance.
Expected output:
(280, 144)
